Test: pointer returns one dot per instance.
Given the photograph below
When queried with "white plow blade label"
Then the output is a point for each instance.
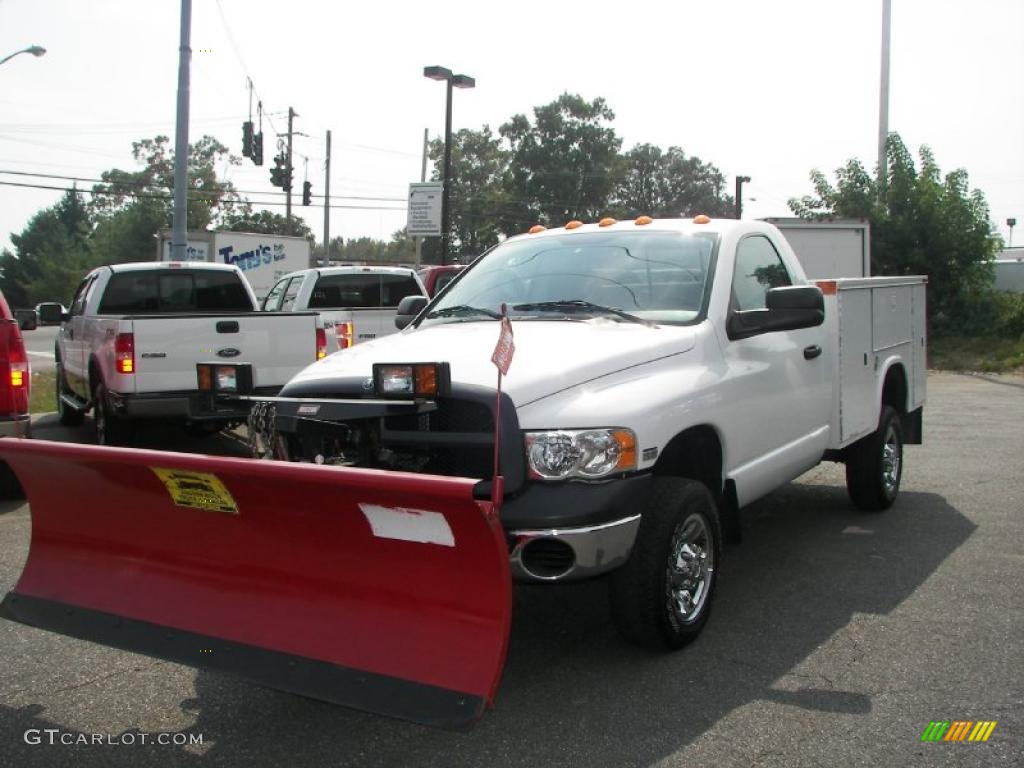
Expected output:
(418, 525)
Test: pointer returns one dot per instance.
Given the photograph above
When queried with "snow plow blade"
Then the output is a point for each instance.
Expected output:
(383, 591)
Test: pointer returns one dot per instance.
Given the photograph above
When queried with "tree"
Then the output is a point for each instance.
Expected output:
(130, 207)
(921, 223)
(477, 196)
(51, 254)
(244, 219)
(563, 165)
(669, 184)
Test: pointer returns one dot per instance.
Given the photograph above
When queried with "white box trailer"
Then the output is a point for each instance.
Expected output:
(829, 248)
(263, 259)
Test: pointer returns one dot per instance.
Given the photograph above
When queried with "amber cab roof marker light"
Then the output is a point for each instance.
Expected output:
(573, 224)
(607, 221)
(536, 228)
(701, 219)
(643, 220)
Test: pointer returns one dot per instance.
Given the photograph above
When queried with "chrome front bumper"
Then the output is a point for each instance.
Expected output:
(571, 554)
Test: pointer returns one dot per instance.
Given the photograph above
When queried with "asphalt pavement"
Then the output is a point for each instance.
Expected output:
(836, 638)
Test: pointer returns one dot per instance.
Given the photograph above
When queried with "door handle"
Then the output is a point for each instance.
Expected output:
(811, 352)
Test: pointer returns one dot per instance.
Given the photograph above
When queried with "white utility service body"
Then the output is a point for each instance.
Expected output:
(135, 333)
(666, 373)
(356, 303)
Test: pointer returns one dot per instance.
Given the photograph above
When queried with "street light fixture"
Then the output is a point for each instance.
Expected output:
(35, 50)
(453, 81)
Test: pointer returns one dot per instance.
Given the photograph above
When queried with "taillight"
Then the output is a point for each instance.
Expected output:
(16, 358)
(344, 333)
(124, 353)
(321, 343)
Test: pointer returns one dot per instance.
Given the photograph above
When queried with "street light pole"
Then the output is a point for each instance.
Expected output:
(453, 81)
(35, 50)
(740, 181)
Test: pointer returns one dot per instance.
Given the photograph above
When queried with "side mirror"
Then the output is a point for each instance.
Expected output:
(787, 309)
(26, 319)
(51, 314)
(408, 308)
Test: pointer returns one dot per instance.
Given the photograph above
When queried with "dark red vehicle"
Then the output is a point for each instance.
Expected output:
(436, 278)
(15, 382)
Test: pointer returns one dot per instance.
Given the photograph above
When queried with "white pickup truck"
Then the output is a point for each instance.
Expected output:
(356, 303)
(147, 340)
(666, 373)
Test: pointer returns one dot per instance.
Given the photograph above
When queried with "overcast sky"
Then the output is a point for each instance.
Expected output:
(764, 89)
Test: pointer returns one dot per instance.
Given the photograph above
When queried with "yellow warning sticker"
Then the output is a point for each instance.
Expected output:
(199, 490)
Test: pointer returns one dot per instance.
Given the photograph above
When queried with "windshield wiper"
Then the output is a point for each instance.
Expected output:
(461, 310)
(579, 305)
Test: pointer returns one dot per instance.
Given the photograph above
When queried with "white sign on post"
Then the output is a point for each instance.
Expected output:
(424, 217)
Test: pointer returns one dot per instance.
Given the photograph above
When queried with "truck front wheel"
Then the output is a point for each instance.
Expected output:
(874, 465)
(662, 596)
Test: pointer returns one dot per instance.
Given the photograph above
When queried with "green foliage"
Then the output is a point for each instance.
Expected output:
(244, 219)
(564, 163)
(669, 184)
(921, 223)
(52, 252)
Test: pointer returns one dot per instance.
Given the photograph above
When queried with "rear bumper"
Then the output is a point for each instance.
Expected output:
(16, 426)
(189, 406)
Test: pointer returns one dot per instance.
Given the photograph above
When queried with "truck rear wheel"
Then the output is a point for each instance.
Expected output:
(874, 466)
(662, 596)
(110, 429)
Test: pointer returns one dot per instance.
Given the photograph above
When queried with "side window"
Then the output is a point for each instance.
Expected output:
(758, 268)
(273, 301)
(78, 303)
(290, 294)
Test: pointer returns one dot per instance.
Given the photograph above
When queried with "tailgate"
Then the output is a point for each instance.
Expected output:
(277, 345)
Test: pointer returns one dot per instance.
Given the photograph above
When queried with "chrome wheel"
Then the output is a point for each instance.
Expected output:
(690, 569)
(891, 461)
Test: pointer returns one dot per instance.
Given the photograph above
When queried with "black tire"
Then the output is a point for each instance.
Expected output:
(109, 428)
(10, 488)
(874, 464)
(66, 415)
(646, 594)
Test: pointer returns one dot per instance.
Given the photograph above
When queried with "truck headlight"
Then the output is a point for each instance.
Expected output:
(413, 380)
(587, 453)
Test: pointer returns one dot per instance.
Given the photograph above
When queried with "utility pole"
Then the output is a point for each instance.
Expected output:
(423, 177)
(883, 99)
(740, 181)
(288, 174)
(179, 221)
(327, 203)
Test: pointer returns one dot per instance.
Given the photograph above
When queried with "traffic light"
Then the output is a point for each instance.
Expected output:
(247, 138)
(277, 173)
(257, 148)
(307, 190)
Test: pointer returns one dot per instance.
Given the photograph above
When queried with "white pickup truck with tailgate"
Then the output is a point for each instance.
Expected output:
(145, 341)
(664, 374)
(356, 304)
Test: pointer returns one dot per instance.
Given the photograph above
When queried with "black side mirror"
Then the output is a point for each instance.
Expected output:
(51, 314)
(26, 319)
(407, 310)
(787, 309)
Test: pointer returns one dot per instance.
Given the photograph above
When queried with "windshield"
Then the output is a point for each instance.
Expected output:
(659, 277)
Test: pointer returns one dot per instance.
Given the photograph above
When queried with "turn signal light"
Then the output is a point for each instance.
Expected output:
(321, 343)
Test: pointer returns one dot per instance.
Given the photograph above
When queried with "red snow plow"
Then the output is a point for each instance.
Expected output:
(384, 591)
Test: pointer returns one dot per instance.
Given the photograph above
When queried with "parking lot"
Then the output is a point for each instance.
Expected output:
(837, 636)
